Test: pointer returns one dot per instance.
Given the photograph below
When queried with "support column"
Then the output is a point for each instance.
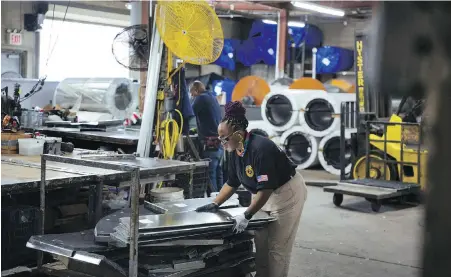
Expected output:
(282, 27)
(145, 8)
(135, 19)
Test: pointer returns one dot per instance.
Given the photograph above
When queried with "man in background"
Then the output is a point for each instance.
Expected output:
(208, 116)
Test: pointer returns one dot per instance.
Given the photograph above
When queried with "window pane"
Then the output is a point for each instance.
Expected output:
(79, 50)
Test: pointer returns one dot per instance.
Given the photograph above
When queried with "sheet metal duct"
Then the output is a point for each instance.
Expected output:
(277, 140)
(260, 127)
(319, 114)
(301, 148)
(329, 152)
(281, 108)
(116, 96)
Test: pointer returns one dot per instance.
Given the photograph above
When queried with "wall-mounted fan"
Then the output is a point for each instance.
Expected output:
(131, 47)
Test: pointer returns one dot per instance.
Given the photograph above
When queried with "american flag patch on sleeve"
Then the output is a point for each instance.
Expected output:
(262, 178)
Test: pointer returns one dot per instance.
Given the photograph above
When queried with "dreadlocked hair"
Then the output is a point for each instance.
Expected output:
(235, 116)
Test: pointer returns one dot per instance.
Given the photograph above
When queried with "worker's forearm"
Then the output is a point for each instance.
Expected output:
(259, 201)
(225, 193)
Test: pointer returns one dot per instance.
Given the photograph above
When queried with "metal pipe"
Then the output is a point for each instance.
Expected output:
(314, 50)
(281, 43)
(303, 60)
(276, 69)
(147, 125)
(42, 205)
(243, 6)
(143, 74)
(342, 141)
(292, 60)
(135, 19)
(134, 223)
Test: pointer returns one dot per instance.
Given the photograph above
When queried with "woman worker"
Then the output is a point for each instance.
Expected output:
(262, 168)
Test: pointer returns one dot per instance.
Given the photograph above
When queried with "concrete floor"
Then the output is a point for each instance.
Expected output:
(353, 241)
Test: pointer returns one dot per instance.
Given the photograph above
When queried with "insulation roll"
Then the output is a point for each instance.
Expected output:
(251, 87)
(116, 96)
(301, 148)
(280, 109)
(320, 113)
(261, 128)
(329, 152)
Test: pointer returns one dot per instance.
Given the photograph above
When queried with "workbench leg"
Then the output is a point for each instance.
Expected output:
(99, 199)
(42, 206)
(191, 184)
(134, 223)
(92, 204)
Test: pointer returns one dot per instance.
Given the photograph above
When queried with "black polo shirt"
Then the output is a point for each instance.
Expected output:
(263, 166)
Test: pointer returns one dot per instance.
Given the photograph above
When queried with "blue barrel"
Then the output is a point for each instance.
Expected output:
(228, 54)
(248, 53)
(331, 59)
(226, 86)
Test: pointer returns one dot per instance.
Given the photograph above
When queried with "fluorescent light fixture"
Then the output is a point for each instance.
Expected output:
(267, 21)
(290, 23)
(296, 24)
(318, 8)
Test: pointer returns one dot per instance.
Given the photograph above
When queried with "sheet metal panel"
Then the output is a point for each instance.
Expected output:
(187, 205)
(189, 219)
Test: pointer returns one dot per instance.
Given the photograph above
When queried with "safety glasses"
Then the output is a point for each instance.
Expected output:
(226, 139)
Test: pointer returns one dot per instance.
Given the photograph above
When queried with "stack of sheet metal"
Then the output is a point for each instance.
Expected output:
(157, 228)
(176, 242)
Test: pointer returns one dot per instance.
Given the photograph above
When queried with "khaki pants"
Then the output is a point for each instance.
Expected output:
(275, 243)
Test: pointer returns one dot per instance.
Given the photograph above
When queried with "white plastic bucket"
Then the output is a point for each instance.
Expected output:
(31, 146)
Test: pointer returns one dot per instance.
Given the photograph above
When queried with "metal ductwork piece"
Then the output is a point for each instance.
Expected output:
(301, 148)
(329, 152)
(319, 114)
(115, 96)
(261, 128)
(281, 108)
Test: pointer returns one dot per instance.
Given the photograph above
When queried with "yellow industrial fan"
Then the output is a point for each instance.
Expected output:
(190, 30)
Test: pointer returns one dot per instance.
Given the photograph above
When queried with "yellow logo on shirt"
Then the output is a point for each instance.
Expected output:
(249, 171)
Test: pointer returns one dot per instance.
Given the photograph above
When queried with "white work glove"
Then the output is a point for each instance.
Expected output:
(240, 223)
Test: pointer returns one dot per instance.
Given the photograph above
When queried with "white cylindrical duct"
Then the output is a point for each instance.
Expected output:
(116, 96)
(320, 113)
(280, 109)
(261, 128)
(277, 140)
(301, 148)
(329, 152)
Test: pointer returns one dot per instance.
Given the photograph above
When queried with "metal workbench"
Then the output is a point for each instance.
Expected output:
(22, 173)
(128, 136)
(136, 171)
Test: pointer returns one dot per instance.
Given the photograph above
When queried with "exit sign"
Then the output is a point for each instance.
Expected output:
(15, 38)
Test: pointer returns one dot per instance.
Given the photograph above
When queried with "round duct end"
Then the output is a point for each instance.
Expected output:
(122, 97)
(301, 148)
(278, 110)
(329, 153)
(319, 115)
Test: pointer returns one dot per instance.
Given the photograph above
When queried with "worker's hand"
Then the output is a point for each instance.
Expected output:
(210, 208)
(240, 223)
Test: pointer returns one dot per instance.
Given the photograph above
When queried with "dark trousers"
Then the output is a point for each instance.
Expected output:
(214, 169)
